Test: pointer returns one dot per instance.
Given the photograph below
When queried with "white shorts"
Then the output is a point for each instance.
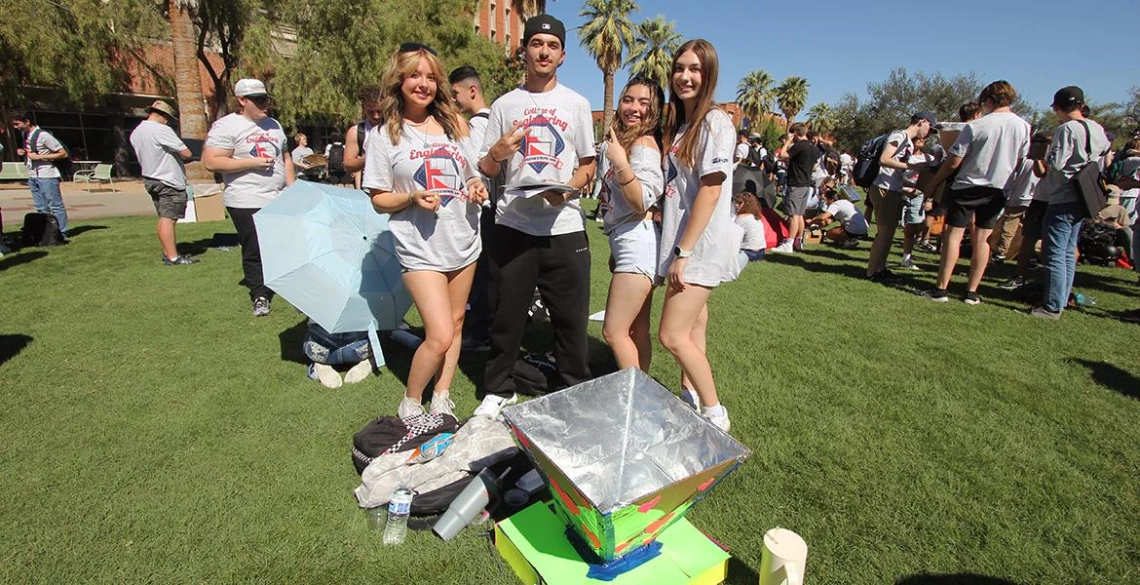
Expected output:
(634, 248)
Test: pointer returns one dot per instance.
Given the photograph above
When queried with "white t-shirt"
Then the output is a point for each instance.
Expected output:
(846, 161)
(714, 257)
(991, 148)
(561, 133)
(646, 166)
(1066, 157)
(478, 124)
(157, 147)
(845, 213)
(892, 179)
(754, 240)
(1022, 188)
(251, 189)
(910, 176)
(300, 153)
(741, 152)
(45, 143)
(444, 240)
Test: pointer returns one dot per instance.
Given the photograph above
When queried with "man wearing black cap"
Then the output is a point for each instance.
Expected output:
(886, 192)
(1077, 142)
(541, 132)
(987, 154)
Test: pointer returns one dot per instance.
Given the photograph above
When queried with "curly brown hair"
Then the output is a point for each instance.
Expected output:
(748, 203)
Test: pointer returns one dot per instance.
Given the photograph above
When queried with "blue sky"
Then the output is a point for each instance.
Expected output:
(1032, 44)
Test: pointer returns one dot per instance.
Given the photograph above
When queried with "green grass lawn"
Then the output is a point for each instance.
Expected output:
(152, 431)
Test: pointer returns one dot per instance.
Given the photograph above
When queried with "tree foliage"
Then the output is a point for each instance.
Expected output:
(346, 44)
(607, 35)
(655, 41)
(239, 32)
(821, 119)
(754, 95)
(791, 95)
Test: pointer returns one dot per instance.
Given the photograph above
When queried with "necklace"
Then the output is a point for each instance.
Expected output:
(416, 133)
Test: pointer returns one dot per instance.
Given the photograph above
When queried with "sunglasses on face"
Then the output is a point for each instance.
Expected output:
(413, 47)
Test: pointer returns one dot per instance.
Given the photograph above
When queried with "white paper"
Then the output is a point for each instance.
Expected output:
(532, 189)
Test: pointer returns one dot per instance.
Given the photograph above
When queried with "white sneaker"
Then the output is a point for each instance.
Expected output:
(909, 263)
(409, 408)
(358, 373)
(720, 421)
(327, 376)
(492, 405)
(785, 248)
(441, 404)
(690, 397)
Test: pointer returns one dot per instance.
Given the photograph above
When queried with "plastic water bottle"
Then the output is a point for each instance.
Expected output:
(399, 507)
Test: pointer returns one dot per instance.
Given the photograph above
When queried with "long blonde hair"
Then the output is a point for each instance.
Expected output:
(400, 66)
(710, 67)
(650, 124)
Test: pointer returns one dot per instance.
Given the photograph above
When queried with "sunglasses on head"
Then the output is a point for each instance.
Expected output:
(413, 47)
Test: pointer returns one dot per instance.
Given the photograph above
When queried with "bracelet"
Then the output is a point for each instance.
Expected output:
(411, 197)
(632, 179)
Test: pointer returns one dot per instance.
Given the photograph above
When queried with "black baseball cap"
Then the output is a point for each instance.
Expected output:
(544, 24)
(1068, 97)
(928, 116)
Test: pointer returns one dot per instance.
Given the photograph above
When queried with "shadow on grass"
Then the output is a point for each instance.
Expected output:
(1112, 377)
(84, 229)
(219, 240)
(955, 579)
(11, 345)
(740, 573)
(19, 258)
(291, 339)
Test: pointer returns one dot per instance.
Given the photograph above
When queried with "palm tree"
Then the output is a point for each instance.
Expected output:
(821, 118)
(792, 95)
(187, 82)
(528, 8)
(652, 52)
(607, 33)
(754, 95)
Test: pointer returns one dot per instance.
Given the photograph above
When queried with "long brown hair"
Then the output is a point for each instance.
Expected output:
(650, 123)
(710, 68)
(400, 66)
(748, 204)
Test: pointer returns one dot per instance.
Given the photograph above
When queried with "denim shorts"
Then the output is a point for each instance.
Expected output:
(634, 248)
(912, 209)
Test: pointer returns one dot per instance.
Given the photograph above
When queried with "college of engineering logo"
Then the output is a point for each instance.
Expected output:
(542, 144)
(264, 147)
(671, 173)
(441, 175)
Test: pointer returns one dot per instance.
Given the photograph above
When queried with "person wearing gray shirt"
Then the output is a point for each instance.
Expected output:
(41, 151)
(539, 133)
(1077, 143)
(161, 155)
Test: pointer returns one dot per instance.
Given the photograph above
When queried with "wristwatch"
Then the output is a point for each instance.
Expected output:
(678, 252)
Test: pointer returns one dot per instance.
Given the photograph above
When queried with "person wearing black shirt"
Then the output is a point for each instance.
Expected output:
(800, 155)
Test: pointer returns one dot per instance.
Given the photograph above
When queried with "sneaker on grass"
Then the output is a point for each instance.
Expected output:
(179, 260)
(849, 244)
(409, 408)
(784, 248)
(441, 404)
(358, 373)
(260, 307)
(720, 420)
(908, 263)
(1013, 283)
(925, 246)
(325, 374)
(1044, 313)
(972, 298)
(492, 406)
(938, 295)
(883, 277)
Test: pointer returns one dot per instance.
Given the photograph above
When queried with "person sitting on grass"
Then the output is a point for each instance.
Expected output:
(748, 214)
(328, 350)
(852, 224)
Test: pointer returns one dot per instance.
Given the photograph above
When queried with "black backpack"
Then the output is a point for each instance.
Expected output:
(359, 138)
(1097, 243)
(754, 158)
(336, 158)
(867, 164)
(41, 229)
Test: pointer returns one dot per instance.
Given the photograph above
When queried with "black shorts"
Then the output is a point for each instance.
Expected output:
(985, 204)
(936, 209)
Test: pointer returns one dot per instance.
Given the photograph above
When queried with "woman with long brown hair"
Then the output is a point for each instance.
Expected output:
(420, 168)
(699, 241)
(632, 181)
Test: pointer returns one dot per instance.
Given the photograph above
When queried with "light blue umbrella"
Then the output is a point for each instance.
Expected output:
(327, 251)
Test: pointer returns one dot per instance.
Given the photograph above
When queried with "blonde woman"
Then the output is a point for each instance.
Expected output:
(421, 169)
(632, 182)
(699, 241)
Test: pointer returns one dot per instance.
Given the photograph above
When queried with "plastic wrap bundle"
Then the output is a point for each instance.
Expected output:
(624, 458)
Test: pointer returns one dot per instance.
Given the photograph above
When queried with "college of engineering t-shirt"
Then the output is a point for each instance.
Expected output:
(443, 240)
(713, 259)
(251, 189)
(157, 147)
(893, 179)
(45, 143)
(991, 148)
(802, 156)
(645, 163)
(561, 131)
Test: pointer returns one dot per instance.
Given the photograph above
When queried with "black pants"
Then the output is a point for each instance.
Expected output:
(477, 325)
(560, 267)
(250, 252)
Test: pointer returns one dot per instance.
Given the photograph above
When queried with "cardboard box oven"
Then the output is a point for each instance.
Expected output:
(207, 202)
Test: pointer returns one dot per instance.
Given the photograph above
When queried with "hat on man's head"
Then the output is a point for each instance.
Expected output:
(928, 116)
(544, 24)
(249, 88)
(1068, 96)
(162, 108)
